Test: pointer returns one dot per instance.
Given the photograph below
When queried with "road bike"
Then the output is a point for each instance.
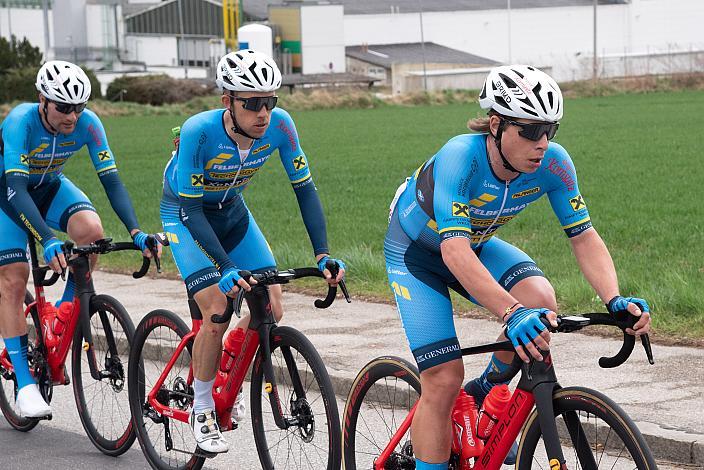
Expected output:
(293, 406)
(97, 330)
(594, 430)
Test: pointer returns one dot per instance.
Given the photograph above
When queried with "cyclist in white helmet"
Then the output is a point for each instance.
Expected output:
(36, 141)
(219, 152)
(442, 236)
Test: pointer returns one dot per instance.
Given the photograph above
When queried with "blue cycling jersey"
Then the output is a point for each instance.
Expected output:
(32, 158)
(209, 172)
(457, 194)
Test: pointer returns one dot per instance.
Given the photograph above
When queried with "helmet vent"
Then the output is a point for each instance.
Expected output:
(536, 92)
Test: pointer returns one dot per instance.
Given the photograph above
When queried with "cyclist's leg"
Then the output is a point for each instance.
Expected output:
(70, 211)
(248, 249)
(424, 305)
(14, 273)
(201, 278)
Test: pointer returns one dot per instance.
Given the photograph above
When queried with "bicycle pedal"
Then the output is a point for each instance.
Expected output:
(86, 346)
(268, 388)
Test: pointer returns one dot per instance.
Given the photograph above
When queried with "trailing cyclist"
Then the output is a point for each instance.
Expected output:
(212, 232)
(36, 141)
(442, 235)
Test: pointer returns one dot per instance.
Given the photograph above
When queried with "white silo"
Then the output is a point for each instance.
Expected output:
(256, 36)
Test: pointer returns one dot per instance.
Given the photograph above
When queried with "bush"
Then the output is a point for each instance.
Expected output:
(156, 89)
(95, 91)
(18, 85)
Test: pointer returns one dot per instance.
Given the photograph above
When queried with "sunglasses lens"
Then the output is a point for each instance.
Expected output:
(536, 131)
(256, 103)
(66, 108)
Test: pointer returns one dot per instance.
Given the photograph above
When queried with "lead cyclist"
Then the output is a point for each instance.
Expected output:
(36, 141)
(212, 232)
(442, 235)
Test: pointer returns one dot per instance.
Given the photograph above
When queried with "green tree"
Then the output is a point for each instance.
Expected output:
(16, 54)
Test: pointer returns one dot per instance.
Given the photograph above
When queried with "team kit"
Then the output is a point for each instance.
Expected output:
(442, 236)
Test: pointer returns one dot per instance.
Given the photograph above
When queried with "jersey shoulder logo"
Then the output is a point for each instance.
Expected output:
(460, 209)
(577, 203)
(261, 149)
(197, 180)
(299, 162)
(104, 155)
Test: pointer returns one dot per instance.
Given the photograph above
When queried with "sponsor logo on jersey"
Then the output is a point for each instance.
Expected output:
(260, 149)
(218, 160)
(487, 184)
(97, 137)
(577, 203)
(24, 159)
(527, 192)
(290, 134)
(197, 180)
(561, 172)
(483, 199)
(67, 144)
(38, 149)
(421, 198)
(104, 155)
(460, 210)
(10, 193)
(299, 162)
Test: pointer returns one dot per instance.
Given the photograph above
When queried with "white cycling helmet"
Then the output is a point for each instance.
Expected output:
(522, 91)
(63, 82)
(247, 70)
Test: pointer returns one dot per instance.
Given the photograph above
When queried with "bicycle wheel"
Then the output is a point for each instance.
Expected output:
(312, 439)
(594, 431)
(166, 443)
(380, 398)
(8, 382)
(103, 405)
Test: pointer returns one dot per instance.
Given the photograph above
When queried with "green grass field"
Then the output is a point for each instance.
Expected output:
(638, 159)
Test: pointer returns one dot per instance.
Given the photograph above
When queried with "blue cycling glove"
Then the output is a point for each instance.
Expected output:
(324, 259)
(524, 325)
(52, 248)
(228, 280)
(140, 240)
(620, 304)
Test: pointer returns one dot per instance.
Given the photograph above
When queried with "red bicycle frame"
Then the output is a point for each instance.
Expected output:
(496, 447)
(226, 395)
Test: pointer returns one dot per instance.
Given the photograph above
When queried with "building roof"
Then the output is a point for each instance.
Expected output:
(258, 9)
(384, 55)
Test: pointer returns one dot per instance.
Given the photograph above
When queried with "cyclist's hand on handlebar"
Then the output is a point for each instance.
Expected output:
(528, 334)
(54, 255)
(146, 242)
(636, 307)
(231, 282)
(328, 276)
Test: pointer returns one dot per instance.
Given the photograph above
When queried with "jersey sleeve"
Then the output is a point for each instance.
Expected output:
(296, 165)
(16, 132)
(106, 168)
(566, 201)
(190, 181)
(454, 167)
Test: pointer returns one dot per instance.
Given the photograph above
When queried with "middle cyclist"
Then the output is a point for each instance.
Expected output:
(213, 233)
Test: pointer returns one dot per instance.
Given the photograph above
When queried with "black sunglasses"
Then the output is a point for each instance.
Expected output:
(535, 130)
(256, 103)
(67, 108)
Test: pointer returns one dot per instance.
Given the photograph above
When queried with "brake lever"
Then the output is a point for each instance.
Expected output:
(152, 244)
(645, 341)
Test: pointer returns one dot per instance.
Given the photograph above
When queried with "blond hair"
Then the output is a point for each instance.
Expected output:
(481, 124)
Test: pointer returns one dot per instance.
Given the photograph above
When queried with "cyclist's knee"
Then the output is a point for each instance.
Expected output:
(213, 331)
(441, 383)
(13, 282)
(85, 227)
(535, 292)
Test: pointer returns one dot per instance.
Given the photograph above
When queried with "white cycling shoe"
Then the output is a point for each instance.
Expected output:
(239, 410)
(207, 432)
(31, 404)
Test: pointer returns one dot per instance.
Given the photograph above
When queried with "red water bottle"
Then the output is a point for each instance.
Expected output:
(48, 317)
(63, 316)
(464, 423)
(232, 346)
(494, 405)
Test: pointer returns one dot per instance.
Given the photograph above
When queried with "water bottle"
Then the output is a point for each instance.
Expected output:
(63, 316)
(494, 405)
(48, 318)
(232, 346)
(464, 423)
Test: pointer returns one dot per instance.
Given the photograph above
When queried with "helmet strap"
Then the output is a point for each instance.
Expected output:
(235, 126)
(46, 116)
(497, 141)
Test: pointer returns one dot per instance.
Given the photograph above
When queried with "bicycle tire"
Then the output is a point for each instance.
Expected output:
(397, 382)
(7, 403)
(307, 433)
(112, 432)
(143, 373)
(588, 453)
